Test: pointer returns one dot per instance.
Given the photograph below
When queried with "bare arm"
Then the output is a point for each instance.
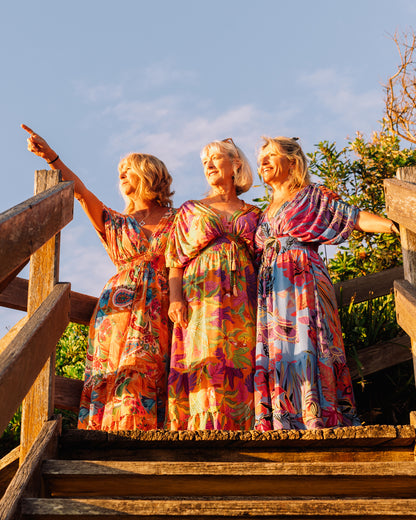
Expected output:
(177, 308)
(371, 223)
(92, 206)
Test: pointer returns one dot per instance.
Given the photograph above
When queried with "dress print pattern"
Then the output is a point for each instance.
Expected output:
(125, 383)
(212, 362)
(302, 380)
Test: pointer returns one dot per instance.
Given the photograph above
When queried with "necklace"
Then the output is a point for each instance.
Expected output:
(147, 213)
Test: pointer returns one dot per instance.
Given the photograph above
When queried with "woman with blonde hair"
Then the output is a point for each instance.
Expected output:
(213, 299)
(302, 380)
(129, 335)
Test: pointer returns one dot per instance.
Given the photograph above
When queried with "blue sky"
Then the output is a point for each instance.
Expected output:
(99, 79)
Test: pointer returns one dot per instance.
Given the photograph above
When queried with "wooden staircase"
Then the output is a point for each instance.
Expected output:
(359, 472)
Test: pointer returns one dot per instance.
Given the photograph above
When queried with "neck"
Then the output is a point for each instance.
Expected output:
(224, 194)
(144, 205)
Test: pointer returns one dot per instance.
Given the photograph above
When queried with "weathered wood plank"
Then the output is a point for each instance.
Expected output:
(9, 464)
(68, 393)
(382, 509)
(380, 356)
(12, 276)
(21, 361)
(37, 407)
(15, 297)
(367, 287)
(7, 338)
(27, 481)
(408, 242)
(143, 478)
(405, 295)
(401, 202)
(351, 436)
(27, 226)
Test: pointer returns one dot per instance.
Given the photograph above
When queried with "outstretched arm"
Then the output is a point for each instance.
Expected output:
(371, 223)
(92, 206)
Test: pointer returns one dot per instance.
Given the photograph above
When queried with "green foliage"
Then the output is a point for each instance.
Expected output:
(357, 173)
(71, 351)
(70, 362)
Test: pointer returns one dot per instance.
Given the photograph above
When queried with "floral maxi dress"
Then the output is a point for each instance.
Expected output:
(212, 362)
(302, 380)
(129, 338)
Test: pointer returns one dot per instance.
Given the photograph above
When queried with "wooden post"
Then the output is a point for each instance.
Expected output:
(37, 407)
(408, 240)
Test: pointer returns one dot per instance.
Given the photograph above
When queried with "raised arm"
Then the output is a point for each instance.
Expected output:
(371, 223)
(92, 206)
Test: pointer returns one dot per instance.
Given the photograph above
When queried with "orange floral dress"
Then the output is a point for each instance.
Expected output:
(129, 339)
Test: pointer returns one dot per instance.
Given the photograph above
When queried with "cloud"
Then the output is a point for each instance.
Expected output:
(339, 100)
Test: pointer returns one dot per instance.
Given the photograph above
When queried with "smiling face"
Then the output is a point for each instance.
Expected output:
(218, 168)
(128, 180)
(274, 167)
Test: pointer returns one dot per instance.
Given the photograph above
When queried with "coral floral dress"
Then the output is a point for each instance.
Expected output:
(212, 361)
(302, 380)
(129, 338)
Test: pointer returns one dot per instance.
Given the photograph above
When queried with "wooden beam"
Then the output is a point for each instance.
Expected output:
(367, 287)
(28, 481)
(214, 509)
(27, 226)
(12, 276)
(380, 356)
(82, 305)
(9, 464)
(68, 393)
(22, 360)
(401, 202)
(405, 294)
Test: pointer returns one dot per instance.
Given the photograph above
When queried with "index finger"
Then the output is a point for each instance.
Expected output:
(31, 132)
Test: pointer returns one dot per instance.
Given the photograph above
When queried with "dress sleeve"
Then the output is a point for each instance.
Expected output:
(193, 230)
(321, 216)
(120, 237)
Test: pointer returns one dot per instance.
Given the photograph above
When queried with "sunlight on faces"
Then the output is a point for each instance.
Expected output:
(231, 157)
(281, 158)
(129, 179)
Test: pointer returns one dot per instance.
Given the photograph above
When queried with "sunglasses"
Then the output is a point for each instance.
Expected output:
(230, 141)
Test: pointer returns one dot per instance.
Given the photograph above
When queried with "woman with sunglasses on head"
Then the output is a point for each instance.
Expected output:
(213, 299)
(302, 380)
(129, 335)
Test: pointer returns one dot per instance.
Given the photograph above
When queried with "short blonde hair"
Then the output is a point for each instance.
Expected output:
(243, 175)
(153, 180)
(291, 149)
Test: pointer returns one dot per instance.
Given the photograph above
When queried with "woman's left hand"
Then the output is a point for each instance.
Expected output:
(37, 145)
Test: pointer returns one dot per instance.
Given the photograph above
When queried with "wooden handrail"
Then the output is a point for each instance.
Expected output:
(27, 226)
(400, 206)
(28, 351)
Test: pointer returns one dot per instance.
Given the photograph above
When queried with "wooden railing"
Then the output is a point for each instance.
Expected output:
(31, 230)
(27, 362)
(401, 207)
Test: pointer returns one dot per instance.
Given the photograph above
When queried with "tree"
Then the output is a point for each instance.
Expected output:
(356, 173)
(400, 103)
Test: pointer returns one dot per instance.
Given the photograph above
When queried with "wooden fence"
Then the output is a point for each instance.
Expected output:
(31, 230)
(401, 207)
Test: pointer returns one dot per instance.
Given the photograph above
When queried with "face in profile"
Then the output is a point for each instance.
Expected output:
(128, 179)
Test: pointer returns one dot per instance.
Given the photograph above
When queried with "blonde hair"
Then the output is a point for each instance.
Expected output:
(291, 149)
(153, 180)
(243, 176)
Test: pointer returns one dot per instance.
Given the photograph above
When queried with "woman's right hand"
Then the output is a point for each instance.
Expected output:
(38, 145)
(178, 313)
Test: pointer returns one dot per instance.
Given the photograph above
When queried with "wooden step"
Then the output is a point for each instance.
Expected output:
(382, 509)
(361, 443)
(65, 478)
